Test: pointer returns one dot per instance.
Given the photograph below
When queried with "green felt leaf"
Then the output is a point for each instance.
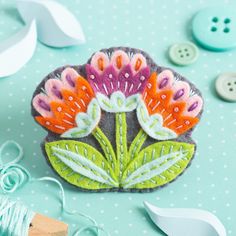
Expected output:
(157, 165)
(80, 164)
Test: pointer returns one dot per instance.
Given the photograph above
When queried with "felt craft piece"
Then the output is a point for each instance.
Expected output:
(117, 123)
(56, 25)
(23, 45)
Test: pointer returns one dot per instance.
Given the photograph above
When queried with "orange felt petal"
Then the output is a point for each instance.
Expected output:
(83, 86)
(160, 101)
(84, 91)
(73, 101)
(182, 124)
(152, 84)
(53, 124)
(176, 109)
(63, 113)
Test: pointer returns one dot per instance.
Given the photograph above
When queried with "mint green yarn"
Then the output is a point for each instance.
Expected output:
(13, 175)
(15, 218)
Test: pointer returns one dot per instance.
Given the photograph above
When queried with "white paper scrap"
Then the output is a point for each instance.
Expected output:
(184, 221)
(56, 25)
(16, 51)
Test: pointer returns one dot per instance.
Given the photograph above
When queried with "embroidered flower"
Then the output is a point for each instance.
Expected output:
(168, 109)
(118, 80)
(67, 106)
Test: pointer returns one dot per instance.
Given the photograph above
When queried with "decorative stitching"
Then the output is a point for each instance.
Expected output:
(157, 164)
(117, 102)
(121, 83)
(153, 124)
(106, 147)
(86, 121)
(137, 144)
(121, 142)
(173, 101)
(85, 161)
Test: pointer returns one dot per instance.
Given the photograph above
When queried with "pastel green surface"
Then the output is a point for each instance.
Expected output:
(214, 27)
(153, 25)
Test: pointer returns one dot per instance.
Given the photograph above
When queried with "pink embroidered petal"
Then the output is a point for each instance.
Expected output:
(53, 89)
(119, 59)
(140, 81)
(41, 105)
(138, 62)
(165, 80)
(109, 78)
(95, 80)
(194, 106)
(69, 76)
(181, 91)
(125, 80)
(100, 61)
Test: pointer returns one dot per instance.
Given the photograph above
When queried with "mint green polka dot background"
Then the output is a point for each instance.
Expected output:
(152, 25)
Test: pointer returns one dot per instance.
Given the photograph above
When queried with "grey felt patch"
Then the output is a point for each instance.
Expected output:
(107, 122)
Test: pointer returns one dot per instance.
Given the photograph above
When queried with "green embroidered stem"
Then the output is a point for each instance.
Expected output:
(106, 147)
(137, 143)
(121, 141)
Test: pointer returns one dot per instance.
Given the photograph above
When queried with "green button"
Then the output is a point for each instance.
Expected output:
(226, 86)
(183, 53)
(214, 28)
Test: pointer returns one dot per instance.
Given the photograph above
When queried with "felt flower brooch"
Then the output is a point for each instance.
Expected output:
(119, 122)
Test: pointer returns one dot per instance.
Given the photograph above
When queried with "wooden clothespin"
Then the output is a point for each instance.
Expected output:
(44, 226)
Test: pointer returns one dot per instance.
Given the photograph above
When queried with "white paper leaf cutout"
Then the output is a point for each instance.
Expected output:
(179, 222)
(56, 25)
(16, 51)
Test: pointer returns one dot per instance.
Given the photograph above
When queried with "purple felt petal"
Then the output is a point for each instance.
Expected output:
(140, 80)
(125, 80)
(53, 89)
(42, 106)
(194, 105)
(109, 78)
(94, 79)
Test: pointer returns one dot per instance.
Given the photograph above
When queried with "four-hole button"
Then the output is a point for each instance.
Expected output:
(215, 28)
(183, 53)
(226, 86)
